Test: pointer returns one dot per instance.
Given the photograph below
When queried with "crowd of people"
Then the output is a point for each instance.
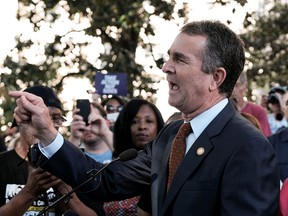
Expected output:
(26, 189)
(232, 160)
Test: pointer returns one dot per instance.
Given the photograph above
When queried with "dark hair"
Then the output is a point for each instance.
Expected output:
(252, 119)
(272, 96)
(120, 100)
(122, 134)
(223, 49)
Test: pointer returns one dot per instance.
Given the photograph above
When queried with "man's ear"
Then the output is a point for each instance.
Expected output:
(218, 78)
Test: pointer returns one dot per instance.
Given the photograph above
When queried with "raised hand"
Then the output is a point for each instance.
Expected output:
(99, 126)
(32, 111)
(77, 128)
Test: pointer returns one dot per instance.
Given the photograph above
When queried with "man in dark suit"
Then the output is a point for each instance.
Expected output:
(229, 167)
(279, 140)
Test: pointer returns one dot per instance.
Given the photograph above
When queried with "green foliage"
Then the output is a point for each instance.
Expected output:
(118, 24)
(122, 27)
(266, 42)
(225, 2)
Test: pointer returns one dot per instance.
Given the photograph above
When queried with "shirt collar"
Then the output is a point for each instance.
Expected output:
(200, 122)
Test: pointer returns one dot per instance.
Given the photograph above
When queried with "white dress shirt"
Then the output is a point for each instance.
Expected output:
(198, 124)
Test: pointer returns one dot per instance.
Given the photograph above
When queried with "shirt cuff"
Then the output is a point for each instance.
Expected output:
(53, 147)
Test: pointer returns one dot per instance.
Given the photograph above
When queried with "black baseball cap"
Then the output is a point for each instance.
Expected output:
(47, 94)
(278, 89)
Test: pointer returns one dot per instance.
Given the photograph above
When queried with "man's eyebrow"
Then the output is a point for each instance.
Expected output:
(178, 55)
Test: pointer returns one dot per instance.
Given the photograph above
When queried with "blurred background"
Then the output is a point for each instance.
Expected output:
(64, 44)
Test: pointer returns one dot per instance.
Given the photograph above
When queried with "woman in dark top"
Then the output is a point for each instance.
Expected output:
(138, 123)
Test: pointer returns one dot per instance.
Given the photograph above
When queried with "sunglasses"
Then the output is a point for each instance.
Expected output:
(111, 108)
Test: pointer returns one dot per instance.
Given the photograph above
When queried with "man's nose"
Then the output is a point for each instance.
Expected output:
(168, 67)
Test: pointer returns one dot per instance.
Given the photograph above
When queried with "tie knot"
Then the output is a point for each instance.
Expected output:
(184, 130)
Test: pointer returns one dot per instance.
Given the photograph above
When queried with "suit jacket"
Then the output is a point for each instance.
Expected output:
(279, 142)
(230, 170)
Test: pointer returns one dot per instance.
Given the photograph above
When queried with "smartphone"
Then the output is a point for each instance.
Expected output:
(84, 106)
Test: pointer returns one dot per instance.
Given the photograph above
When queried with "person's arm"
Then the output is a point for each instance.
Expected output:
(32, 111)
(18, 205)
(80, 208)
(38, 182)
(100, 127)
(108, 139)
(74, 203)
(69, 163)
(281, 101)
(77, 127)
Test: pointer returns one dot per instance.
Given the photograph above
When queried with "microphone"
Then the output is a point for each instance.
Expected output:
(124, 156)
(128, 155)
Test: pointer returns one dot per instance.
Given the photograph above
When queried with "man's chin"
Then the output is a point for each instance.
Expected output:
(90, 140)
(173, 103)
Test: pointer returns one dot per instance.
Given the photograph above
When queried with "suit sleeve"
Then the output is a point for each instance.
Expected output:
(120, 180)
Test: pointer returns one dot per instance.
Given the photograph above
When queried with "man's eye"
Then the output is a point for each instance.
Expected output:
(180, 60)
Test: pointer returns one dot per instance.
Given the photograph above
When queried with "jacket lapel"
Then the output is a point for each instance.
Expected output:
(190, 162)
(195, 155)
(159, 184)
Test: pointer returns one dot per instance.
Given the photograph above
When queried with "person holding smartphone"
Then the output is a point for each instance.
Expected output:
(26, 190)
(226, 166)
(90, 131)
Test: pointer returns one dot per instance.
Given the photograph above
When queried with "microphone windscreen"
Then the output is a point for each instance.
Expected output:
(128, 154)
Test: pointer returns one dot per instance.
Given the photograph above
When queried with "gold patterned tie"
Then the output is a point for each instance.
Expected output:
(178, 150)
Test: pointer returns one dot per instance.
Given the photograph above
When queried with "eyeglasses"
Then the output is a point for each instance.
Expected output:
(111, 108)
(58, 120)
